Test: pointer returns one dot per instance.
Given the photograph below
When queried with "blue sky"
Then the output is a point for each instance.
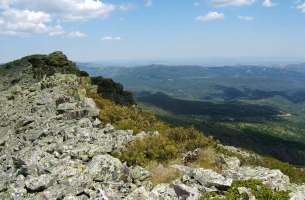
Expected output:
(90, 30)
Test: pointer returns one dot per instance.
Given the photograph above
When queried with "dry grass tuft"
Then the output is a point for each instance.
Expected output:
(208, 158)
(163, 174)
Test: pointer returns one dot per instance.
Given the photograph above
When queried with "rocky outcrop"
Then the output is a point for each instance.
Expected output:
(297, 192)
(53, 146)
(173, 192)
(274, 179)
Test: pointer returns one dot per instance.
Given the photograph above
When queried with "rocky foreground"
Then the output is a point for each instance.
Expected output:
(53, 146)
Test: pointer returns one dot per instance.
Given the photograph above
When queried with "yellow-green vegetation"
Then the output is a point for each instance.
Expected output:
(257, 189)
(172, 142)
(109, 89)
(47, 65)
(208, 158)
(296, 174)
(142, 152)
(167, 146)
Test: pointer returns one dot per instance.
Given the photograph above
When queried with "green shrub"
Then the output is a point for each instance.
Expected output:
(47, 65)
(109, 89)
(260, 191)
(295, 173)
(142, 152)
(169, 145)
(173, 141)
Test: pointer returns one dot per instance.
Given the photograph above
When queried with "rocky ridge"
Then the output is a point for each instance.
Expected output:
(53, 146)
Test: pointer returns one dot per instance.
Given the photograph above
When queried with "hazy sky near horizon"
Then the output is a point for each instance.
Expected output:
(93, 30)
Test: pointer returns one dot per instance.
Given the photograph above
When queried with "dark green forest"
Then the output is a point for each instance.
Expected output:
(259, 108)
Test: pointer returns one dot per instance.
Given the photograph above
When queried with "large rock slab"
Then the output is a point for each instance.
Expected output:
(298, 193)
(204, 177)
(174, 192)
(105, 168)
(38, 184)
(273, 179)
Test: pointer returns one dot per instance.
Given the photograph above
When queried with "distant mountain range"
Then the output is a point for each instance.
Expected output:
(254, 107)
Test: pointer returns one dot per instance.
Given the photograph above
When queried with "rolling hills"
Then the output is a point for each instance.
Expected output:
(255, 107)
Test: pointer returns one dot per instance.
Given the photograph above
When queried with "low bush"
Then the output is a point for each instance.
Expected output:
(154, 148)
(114, 91)
(295, 173)
(260, 192)
(170, 143)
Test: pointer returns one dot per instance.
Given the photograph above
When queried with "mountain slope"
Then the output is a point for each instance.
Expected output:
(254, 107)
(55, 144)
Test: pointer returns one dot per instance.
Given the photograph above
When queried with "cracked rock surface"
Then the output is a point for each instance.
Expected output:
(54, 147)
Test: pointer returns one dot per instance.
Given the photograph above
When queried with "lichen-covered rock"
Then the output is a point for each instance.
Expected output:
(49, 137)
(209, 178)
(64, 107)
(247, 191)
(139, 173)
(231, 162)
(37, 184)
(53, 146)
(138, 194)
(163, 192)
(274, 179)
(298, 192)
(204, 177)
(105, 168)
(174, 192)
(186, 192)
(17, 190)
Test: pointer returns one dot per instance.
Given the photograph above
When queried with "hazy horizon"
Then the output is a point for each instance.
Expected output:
(213, 61)
(205, 61)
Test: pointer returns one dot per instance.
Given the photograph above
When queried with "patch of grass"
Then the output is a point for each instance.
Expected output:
(163, 174)
(172, 142)
(167, 146)
(155, 148)
(208, 158)
(295, 173)
(260, 192)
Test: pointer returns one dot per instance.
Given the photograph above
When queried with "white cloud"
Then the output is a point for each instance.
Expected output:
(148, 3)
(210, 16)
(268, 3)
(25, 23)
(57, 31)
(76, 34)
(223, 3)
(67, 9)
(246, 18)
(110, 38)
(301, 7)
(4, 4)
(126, 7)
(26, 17)
(22, 22)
